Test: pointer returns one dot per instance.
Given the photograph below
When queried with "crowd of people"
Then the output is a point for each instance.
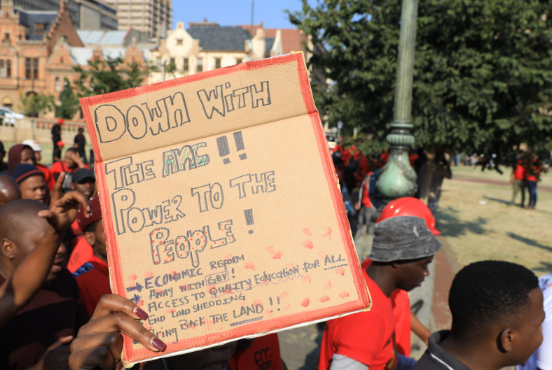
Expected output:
(57, 310)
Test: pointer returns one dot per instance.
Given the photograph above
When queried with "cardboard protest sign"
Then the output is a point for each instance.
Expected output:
(221, 207)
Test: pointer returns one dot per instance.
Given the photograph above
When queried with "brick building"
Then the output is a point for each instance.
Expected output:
(39, 50)
(153, 17)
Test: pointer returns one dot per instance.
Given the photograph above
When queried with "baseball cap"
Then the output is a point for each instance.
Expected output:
(403, 238)
(82, 174)
(60, 143)
(23, 171)
(96, 215)
(33, 144)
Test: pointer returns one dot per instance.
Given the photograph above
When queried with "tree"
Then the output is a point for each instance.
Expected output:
(105, 76)
(34, 104)
(69, 103)
(482, 79)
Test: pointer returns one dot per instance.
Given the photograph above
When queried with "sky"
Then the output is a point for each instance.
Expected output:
(234, 12)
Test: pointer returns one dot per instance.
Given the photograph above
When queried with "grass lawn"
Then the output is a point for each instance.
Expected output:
(479, 224)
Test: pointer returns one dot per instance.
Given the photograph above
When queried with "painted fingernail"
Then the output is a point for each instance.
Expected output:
(140, 313)
(157, 343)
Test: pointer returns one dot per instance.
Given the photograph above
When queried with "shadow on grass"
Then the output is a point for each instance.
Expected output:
(545, 267)
(530, 242)
(503, 201)
(449, 223)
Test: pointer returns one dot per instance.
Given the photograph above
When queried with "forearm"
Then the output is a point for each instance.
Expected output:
(28, 278)
(419, 329)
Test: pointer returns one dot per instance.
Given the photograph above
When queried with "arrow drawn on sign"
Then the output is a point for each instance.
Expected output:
(138, 287)
(135, 299)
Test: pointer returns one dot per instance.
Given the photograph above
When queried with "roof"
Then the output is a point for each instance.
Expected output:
(269, 43)
(99, 37)
(292, 38)
(81, 56)
(30, 18)
(220, 38)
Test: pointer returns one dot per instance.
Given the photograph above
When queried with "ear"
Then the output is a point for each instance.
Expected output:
(8, 248)
(506, 340)
(396, 266)
(90, 238)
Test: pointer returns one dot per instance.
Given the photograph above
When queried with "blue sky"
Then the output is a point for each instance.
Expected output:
(234, 12)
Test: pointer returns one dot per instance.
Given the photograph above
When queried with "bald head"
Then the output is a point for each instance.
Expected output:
(19, 217)
(9, 190)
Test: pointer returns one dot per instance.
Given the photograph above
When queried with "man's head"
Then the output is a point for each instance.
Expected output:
(93, 229)
(69, 158)
(36, 147)
(499, 304)
(9, 190)
(405, 246)
(31, 182)
(21, 230)
(81, 130)
(84, 181)
(18, 154)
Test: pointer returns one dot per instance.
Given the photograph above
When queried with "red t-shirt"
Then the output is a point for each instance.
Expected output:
(401, 313)
(367, 337)
(80, 255)
(93, 280)
(262, 354)
(520, 172)
(60, 167)
(366, 193)
(48, 177)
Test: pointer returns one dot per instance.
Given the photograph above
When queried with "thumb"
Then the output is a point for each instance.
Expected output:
(61, 341)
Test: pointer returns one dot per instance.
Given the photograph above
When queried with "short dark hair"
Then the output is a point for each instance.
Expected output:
(487, 293)
(91, 228)
(74, 150)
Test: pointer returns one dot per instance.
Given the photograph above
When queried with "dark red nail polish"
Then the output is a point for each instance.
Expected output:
(140, 313)
(157, 343)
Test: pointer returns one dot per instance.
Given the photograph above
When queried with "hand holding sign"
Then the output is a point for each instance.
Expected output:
(221, 209)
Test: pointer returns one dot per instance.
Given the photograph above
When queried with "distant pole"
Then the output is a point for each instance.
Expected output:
(252, 14)
(398, 178)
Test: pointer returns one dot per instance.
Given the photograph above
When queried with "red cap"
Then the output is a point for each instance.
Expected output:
(409, 207)
(60, 143)
(95, 216)
(60, 121)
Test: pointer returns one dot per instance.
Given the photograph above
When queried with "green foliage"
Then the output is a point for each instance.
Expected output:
(482, 78)
(34, 104)
(107, 76)
(69, 103)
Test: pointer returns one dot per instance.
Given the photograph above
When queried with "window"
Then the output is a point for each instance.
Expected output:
(217, 63)
(199, 65)
(179, 42)
(60, 60)
(39, 28)
(6, 35)
(2, 68)
(186, 65)
(8, 68)
(239, 60)
(31, 68)
(57, 84)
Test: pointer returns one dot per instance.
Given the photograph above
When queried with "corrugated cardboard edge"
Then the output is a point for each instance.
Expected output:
(347, 240)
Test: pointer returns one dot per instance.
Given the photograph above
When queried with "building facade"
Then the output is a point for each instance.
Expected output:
(153, 17)
(206, 46)
(37, 59)
(85, 14)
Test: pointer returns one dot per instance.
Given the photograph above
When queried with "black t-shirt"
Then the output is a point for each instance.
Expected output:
(436, 358)
(55, 311)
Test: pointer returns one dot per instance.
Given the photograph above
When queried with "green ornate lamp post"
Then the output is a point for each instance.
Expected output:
(398, 179)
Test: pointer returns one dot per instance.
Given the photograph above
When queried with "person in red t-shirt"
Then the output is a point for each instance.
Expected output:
(533, 171)
(519, 173)
(402, 249)
(93, 276)
(262, 353)
(71, 162)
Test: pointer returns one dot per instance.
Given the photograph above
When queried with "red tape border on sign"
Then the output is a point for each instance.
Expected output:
(132, 355)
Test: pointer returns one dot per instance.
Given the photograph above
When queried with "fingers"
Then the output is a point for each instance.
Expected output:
(120, 321)
(61, 341)
(123, 319)
(74, 197)
(112, 341)
(91, 358)
(56, 191)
